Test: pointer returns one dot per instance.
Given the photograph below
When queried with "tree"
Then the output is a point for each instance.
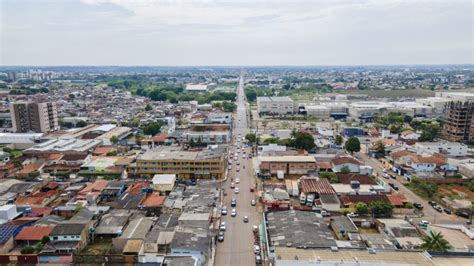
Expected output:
(148, 107)
(339, 140)
(251, 95)
(251, 137)
(332, 177)
(229, 106)
(114, 139)
(381, 208)
(353, 145)
(81, 123)
(271, 140)
(395, 128)
(429, 131)
(379, 147)
(152, 128)
(138, 138)
(435, 242)
(345, 169)
(362, 208)
(27, 250)
(302, 140)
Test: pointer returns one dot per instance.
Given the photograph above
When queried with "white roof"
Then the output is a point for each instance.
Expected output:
(288, 158)
(105, 128)
(196, 87)
(164, 179)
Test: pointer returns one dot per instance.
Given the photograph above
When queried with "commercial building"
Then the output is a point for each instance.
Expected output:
(187, 164)
(34, 117)
(458, 123)
(196, 87)
(289, 164)
(275, 105)
(209, 137)
(454, 149)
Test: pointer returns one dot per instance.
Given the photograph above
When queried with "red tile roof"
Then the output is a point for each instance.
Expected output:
(312, 185)
(397, 199)
(34, 232)
(160, 138)
(344, 160)
(398, 154)
(353, 199)
(363, 179)
(324, 165)
(153, 200)
(36, 199)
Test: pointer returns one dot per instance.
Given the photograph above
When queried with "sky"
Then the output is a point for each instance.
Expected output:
(237, 32)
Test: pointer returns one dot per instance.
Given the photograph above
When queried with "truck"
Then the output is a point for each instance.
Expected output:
(302, 198)
(310, 199)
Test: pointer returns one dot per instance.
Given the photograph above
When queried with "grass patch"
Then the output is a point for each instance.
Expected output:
(98, 248)
(16, 153)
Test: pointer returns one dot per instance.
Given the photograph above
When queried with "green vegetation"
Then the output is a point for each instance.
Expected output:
(148, 107)
(423, 188)
(345, 169)
(251, 137)
(301, 140)
(304, 92)
(152, 128)
(380, 208)
(332, 177)
(28, 90)
(362, 208)
(430, 130)
(435, 242)
(27, 250)
(353, 145)
(81, 123)
(114, 139)
(226, 106)
(379, 147)
(339, 140)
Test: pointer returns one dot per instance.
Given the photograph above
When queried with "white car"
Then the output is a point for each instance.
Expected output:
(256, 249)
(238, 169)
(232, 185)
(243, 156)
(253, 202)
(246, 219)
(230, 167)
(237, 180)
(223, 226)
(233, 213)
(236, 190)
(224, 210)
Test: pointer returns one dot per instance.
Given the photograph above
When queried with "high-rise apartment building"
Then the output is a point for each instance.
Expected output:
(34, 117)
(458, 123)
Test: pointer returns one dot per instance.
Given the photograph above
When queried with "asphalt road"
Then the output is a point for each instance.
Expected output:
(430, 214)
(237, 248)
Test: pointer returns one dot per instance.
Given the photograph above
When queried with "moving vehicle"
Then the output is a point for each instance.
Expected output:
(220, 236)
(252, 202)
(224, 210)
(233, 202)
(233, 213)
(236, 190)
(395, 187)
(252, 189)
(424, 223)
(237, 180)
(258, 260)
(232, 185)
(237, 169)
(246, 219)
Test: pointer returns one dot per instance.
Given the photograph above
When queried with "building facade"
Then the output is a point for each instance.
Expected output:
(458, 123)
(34, 117)
(275, 105)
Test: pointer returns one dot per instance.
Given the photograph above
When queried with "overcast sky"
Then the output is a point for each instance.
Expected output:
(238, 32)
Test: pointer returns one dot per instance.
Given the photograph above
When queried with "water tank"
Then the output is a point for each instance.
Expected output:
(355, 184)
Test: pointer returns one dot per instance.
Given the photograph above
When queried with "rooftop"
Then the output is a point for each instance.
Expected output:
(299, 229)
(288, 158)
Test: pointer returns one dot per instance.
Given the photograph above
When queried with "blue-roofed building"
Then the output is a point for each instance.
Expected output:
(7, 233)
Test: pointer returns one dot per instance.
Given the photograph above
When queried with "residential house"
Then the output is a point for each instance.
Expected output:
(39, 199)
(67, 237)
(454, 149)
(338, 164)
(31, 235)
(93, 190)
(409, 134)
(323, 193)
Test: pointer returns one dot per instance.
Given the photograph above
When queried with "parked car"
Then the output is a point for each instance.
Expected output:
(395, 187)
(233, 213)
(233, 202)
(246, 219)
(352, 215)
(220, 236)
(237, 180)
(463, 213)
(224, 210)
(222, 227)
(232, 185)
(237, 190)
(447, 211)
(252, 189)
(424, 223)
(438, 208)
(258, 260)
(418, 205)
(256, 249)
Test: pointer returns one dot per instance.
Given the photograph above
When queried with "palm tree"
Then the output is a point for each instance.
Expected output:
(435, 242)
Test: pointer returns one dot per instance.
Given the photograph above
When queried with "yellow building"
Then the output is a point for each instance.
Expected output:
(186, 164)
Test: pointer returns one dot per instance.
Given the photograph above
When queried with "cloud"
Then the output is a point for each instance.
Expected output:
(238, 32)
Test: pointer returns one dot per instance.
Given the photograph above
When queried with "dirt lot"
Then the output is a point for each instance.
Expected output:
(455, 192)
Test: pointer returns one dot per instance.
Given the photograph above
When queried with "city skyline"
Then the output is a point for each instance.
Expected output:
(231, 33)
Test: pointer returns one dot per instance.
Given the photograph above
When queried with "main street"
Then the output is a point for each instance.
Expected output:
(237, 248)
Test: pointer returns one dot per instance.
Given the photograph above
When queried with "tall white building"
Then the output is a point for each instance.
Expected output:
(275, 105)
